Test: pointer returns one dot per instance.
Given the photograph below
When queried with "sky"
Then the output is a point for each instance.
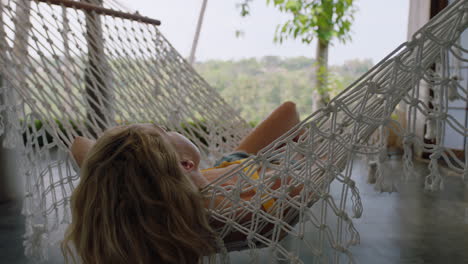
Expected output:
(379, 27)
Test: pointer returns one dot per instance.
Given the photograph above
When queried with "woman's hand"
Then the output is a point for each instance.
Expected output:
(80, 147)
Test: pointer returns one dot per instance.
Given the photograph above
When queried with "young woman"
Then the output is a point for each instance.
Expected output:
(138, 199)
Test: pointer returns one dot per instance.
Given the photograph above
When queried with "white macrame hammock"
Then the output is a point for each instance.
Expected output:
(89, 71)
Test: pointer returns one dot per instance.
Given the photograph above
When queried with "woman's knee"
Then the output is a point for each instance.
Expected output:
(289, 105)
(288, 108)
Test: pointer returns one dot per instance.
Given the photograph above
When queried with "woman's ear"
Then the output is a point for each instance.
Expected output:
(188, 165)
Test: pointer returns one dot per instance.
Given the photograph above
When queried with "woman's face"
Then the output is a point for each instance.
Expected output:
(184, 147)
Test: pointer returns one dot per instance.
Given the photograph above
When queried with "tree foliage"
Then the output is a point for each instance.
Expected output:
(255, 87)
(322, 19)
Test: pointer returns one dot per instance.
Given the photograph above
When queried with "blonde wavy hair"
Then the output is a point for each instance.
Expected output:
(135, 204)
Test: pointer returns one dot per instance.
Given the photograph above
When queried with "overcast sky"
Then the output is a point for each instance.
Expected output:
(379, 27)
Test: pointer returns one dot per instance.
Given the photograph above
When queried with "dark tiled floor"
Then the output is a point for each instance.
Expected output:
(11, 232)
(412, 226)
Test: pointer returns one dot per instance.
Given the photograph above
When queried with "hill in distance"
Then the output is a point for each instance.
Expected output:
(255, 86)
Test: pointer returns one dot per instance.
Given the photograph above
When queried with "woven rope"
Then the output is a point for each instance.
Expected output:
(91, 72)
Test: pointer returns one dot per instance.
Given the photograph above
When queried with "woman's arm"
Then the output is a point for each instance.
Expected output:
(80, 147)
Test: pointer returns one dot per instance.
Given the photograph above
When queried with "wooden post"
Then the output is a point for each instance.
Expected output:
(197, 32)
(419, 11)
(95, 74)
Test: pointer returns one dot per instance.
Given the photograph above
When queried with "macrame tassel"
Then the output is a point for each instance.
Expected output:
(381, 185)
(379, 177)
(66, 214)
(35, 244)
(434, 180)
(28, 225)
(55, 220)
(253, 253)
(408, 166)
(381, 181)
(223, 254)
(27, 205)
(355, 198)
(355, 238)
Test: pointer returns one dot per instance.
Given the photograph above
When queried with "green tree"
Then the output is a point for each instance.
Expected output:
(324, 20)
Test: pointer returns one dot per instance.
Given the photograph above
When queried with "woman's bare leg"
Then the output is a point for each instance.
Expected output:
(281, 120)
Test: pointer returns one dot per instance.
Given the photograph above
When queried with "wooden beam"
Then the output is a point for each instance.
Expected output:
(102, 10)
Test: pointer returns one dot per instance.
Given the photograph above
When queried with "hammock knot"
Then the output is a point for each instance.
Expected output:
(342, 214)
(230, 222)
(349, 182)
(359, 118)
(373, 87)
(332, 168)
(291, 188)
(332, 107)
(437, 153)
(441, 115)
(339, 248)
(300, 235)
(437, 116)
(312, 156)
(412, 43)
(414, 102)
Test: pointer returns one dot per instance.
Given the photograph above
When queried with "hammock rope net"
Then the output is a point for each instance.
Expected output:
(79, 72)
